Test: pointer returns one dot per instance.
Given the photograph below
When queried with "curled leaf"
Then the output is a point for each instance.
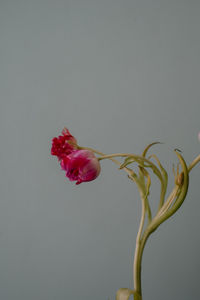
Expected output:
(148, 147)
(129, 160)
(146, 163)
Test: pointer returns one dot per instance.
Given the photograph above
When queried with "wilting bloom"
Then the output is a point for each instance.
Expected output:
(81, 166)
(63, 144)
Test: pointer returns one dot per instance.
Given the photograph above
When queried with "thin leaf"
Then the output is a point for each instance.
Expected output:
(146, 197)
(148, 147)
(180, 197)
(129, 160)
(165, 180)
(142, 163)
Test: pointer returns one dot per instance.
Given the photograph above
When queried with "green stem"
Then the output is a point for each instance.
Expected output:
(138, 252)
(110, 157)
(138, 263)
(194, 163)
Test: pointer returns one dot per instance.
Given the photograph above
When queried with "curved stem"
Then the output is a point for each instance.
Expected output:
(127, 170)
(155, 223)
(99, 153)
(139, 159)
(194, 163)
(131, 155)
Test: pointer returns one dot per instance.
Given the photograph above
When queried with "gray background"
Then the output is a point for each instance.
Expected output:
(119, 74)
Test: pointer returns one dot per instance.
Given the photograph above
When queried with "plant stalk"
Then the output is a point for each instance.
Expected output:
(164, 210)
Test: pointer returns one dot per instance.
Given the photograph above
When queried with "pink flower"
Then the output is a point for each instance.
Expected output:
(81, 166)
(63, 144)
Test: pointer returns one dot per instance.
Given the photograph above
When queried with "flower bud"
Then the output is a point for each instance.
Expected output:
(81, 166)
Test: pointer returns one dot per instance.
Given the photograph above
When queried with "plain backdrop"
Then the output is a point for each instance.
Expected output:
(120, 75)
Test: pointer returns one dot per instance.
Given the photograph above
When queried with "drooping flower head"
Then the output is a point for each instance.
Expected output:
(81, 166)
(63, 144)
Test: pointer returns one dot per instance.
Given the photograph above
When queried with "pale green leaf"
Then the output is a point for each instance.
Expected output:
(148, 147)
